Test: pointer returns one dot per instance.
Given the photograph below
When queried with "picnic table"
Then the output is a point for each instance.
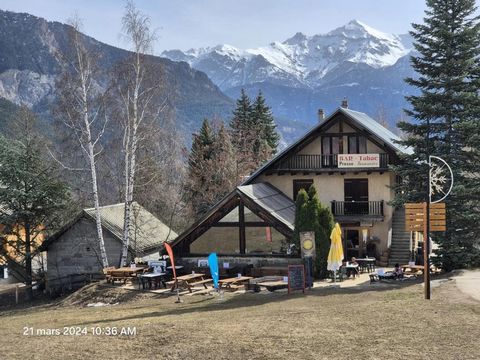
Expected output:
(123, 274)
(152, 278)
(189, 281)
(233, 283)
(412, 269)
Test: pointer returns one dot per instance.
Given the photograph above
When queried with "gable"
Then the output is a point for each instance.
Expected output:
(342, 121)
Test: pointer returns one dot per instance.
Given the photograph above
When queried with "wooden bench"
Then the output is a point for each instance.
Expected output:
(273, 285)
(201, 282)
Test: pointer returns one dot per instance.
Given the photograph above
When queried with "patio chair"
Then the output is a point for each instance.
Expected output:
(341, 274)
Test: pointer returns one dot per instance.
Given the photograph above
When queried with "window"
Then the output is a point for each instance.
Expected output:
(357, 144)
(332, 145)
(301, 184)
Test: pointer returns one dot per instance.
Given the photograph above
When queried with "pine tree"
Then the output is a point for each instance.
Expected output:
(446, 113)
(241, 115)
(253, 133)
(212, 167)
(223, 164)
(263, 118)
(32, 198)
(198, 168)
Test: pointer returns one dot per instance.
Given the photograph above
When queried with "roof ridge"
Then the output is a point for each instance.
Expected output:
(106, 206)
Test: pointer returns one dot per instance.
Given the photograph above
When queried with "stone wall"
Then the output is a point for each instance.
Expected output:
(77, 251)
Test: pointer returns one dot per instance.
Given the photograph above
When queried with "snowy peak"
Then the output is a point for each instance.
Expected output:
(297, 39)
(300, 61)
(358, 30)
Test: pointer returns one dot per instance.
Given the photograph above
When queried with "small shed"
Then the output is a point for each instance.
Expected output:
(74, 249)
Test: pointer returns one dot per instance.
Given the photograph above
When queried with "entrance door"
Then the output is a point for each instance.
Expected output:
(356, 196)
(351, 244)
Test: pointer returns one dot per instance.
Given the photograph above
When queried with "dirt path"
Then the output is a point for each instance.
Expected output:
(468, 282)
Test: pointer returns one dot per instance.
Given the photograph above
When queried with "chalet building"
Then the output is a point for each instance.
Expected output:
(74, 250)
(347, 157)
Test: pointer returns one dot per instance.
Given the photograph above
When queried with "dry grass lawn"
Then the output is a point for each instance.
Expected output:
(388, 322)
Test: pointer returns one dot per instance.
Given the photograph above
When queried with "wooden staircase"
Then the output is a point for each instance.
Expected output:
(400, 247)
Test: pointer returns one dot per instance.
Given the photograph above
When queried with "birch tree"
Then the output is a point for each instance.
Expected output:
(138, 88)
(81, 107)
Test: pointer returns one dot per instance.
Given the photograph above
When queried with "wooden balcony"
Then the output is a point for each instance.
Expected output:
(321, 163)
(357, 208)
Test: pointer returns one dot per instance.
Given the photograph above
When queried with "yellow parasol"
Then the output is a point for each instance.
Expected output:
(335, 255)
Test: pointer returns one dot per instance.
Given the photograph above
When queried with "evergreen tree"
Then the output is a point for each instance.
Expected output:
(32, 197)
(322, 221)
(241, 115)
(253, 133)
(446, 112)
(310, 215)
(302, 217)
(212, 167)
(262, 117)
(223, 164)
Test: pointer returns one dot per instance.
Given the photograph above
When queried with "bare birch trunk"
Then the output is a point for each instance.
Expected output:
(80, 117)
(137, 103)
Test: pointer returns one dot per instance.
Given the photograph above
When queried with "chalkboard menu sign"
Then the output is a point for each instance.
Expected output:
(296, 278)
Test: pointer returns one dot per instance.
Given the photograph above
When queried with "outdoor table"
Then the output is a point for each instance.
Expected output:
(129, 270)
(413, 268)
(232, 283)
(123, 274)
(187, 281)
(150, 278)
(353, 269)
(366, 263)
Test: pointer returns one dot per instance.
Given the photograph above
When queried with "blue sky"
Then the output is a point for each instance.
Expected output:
(183, 24)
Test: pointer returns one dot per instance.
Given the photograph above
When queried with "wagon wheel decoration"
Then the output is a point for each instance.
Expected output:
(441, 179)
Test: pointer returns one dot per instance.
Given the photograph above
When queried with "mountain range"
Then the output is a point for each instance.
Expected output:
(30, 49)
(297, 76)
(304, 73)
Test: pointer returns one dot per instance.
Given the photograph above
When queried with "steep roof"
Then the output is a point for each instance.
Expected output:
(377, 129)
(272, 202)
(360, 119)
(147, 231)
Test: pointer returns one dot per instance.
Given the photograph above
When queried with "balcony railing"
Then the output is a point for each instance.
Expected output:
(362, 208)
(317, 162)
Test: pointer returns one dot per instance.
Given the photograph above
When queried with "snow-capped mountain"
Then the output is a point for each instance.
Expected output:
(304, 73)
(300, 61)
